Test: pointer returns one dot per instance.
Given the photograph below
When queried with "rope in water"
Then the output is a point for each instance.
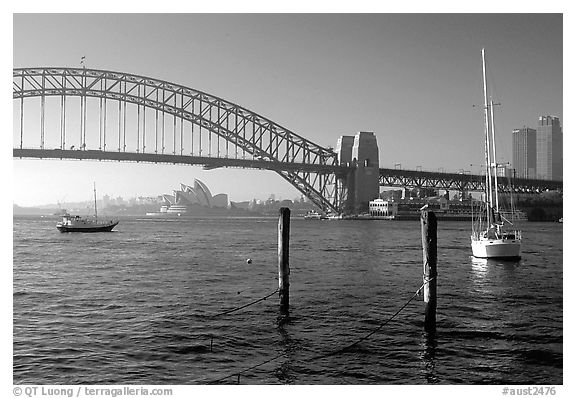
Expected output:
(341, 350)
(344, 349)
(245, 370)
(243, 306)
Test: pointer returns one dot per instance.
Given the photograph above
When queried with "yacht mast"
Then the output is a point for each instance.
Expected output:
(488, 190)
(494, 156)
(95, 209)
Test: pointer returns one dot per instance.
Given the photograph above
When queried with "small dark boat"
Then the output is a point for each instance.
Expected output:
(79, 224)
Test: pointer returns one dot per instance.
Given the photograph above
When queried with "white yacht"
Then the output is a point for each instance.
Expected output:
(493, 236)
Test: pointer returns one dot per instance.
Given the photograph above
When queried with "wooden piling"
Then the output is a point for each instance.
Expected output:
(283, 259)
(429, 252)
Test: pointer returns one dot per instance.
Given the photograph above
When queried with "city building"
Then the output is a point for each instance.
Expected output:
(524, 152)
(549, 148)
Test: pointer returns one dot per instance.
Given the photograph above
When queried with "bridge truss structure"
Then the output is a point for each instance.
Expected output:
(121, 116)
(81, 113)
(462, 182)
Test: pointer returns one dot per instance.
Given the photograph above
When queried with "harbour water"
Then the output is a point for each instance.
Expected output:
(138, 305)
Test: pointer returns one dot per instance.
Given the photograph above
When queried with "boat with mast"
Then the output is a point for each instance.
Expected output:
(80, 224)
(492, 234)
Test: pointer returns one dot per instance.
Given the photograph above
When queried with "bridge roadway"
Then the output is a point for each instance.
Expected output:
(208, 162)
(388, 177)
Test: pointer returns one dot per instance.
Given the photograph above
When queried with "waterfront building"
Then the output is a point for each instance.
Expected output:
(524, 152)
(382, 208)
(549, 148)
(189, 197)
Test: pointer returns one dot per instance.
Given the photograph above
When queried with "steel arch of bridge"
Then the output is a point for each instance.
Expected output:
(255, 141)
(309, 167)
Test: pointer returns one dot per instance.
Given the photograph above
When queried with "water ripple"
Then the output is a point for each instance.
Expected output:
(136, 306)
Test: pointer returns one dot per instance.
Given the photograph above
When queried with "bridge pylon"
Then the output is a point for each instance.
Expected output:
(360, 153)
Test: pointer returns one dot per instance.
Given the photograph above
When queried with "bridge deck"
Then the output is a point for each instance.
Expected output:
(207, 162)
(388, 177)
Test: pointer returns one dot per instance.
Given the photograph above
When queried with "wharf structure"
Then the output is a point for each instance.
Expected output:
(445, 209)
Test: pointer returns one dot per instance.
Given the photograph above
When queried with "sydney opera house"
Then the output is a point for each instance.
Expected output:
(190, 198)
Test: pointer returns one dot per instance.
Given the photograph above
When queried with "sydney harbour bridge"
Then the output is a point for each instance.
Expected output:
(89, 114)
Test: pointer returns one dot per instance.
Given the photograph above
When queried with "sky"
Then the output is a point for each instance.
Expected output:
(415, 80)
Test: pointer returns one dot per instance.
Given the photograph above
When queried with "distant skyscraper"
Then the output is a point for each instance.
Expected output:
(549, 148)
(524, 152)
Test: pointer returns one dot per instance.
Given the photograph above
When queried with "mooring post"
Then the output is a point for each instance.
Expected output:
(283, 259)
(429, 252)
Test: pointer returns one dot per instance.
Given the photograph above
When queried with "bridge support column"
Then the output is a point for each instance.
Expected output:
(362, 183)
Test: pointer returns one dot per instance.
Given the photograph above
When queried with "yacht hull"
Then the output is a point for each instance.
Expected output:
(88, 228)
(496, 248)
